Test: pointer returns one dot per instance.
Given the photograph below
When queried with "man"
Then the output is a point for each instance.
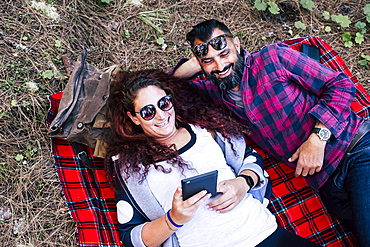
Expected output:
(297, 110)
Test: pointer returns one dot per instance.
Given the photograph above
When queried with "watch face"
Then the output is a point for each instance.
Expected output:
(324, 134)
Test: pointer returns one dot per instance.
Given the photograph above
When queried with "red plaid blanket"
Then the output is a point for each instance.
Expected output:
(296, 206)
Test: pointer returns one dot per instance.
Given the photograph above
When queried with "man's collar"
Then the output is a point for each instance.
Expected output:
(247, 57)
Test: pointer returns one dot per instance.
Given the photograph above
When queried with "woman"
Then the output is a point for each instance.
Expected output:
(163, 131)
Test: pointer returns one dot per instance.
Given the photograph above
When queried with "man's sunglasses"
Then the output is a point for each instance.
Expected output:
(148, 112)
(218, 43)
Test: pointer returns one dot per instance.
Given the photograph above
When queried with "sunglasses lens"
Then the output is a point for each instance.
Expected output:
(165, 104)
(218, 43)
(200, 50)
(147, 112)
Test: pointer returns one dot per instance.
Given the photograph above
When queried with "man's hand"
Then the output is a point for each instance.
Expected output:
(310, 156)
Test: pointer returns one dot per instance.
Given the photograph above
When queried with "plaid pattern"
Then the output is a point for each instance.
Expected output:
(331, 59)
(296, 206)
(280, 116)
(90, 199)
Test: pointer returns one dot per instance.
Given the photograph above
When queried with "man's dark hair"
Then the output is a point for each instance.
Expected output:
(204, 30)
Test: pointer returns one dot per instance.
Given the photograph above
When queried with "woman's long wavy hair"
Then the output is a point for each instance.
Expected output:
(138, 152)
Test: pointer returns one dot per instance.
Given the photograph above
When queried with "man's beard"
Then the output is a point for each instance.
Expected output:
(231, 81)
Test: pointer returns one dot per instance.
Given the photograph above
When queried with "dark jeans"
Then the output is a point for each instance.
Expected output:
(284, 238)
(347, 192)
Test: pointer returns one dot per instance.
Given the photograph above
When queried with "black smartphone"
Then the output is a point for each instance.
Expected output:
(193, 185)
(311, 51)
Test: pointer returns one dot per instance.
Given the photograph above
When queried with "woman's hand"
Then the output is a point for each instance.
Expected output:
(233, 191)
(184, 211)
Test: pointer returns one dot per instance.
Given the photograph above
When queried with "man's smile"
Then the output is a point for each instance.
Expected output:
(225, 72)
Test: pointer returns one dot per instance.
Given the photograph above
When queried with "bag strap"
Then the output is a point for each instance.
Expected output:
(82, 155)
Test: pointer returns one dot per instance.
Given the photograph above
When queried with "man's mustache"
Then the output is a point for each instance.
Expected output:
(218, 72)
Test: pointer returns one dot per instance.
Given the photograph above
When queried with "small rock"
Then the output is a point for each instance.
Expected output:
(5, 213)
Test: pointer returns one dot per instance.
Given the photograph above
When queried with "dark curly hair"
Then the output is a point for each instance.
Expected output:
(137, 150)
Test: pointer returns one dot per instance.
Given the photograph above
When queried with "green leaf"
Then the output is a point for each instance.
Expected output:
(25, 103)
(274, 8)
(326, 15)
(106, 1)
(342, 20)
(13, 102)
(160, 41)
(367, 57)
(260, 5)
(126, 34)
(367, 9)
(148, 22)
(308, 4)
(3, 114)
(327, 29)
(367, 12)
(346, 36)
(47, 74)
(363, 62)
(19, 157)
(360, 24)
(58, 43)
(359, 38)
(300, 25)
(348, 44)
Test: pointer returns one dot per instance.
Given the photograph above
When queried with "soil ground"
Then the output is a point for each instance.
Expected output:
(34, 52)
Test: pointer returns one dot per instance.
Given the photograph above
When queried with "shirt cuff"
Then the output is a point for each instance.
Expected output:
(136, 238)
(328, 119)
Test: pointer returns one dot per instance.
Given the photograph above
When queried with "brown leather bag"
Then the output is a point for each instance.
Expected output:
(81, 113)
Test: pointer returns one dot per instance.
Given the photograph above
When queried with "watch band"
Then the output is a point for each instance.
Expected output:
(248, 179)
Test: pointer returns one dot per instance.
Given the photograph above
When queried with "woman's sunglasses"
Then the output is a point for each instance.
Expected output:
(148, 112)
(218, 43)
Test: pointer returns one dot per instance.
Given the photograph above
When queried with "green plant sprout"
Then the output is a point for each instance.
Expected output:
(327, 29)
(365, 61)
(271, 6)
(360, 34)
(155, 15)
(160, 41)
(347, 38)
(367, 12)
(47, 74)
(326, 15)
(308, 4)
(58, 43)
(300, 25)
(3, 115)
(126, 34)
(342, 20)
